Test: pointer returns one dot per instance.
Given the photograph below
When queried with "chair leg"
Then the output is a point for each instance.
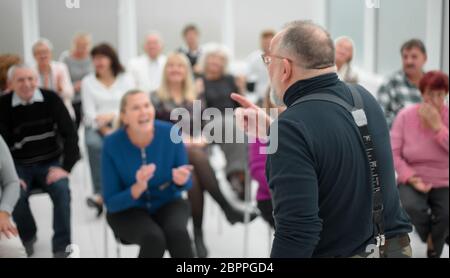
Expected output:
(105, 242)
(118, 249)
(248, 196)
(219, 221)
(269, 228)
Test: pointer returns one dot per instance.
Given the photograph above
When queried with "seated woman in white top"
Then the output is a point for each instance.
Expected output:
(53, 75)
(101, 93)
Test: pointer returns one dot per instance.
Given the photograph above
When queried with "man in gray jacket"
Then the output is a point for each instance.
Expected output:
(10, 244)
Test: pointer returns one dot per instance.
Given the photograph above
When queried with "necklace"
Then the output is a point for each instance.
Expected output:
(144, 156)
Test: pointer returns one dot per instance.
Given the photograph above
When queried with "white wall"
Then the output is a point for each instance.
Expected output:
(170, 16)
(399, 21)
(346, 18)
(59, 24)
(11, 40)
(252, 16)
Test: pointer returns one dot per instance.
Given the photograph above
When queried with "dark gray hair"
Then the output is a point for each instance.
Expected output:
(310, 44)
(414, 43)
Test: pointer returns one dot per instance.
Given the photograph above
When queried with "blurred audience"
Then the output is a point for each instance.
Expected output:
(44, 144)
(139, 173)
(178, 91)
(144, 175)
(421, 154)
(101, 93)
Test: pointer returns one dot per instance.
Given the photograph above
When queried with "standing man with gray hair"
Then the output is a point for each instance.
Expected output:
(326, 194)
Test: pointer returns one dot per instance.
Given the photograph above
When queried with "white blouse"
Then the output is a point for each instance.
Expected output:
(98, 99)
(147, 73)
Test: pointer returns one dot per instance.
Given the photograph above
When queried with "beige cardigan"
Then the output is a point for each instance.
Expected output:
(61, 84)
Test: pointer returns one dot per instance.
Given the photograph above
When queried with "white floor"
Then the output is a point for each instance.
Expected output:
(93, 239)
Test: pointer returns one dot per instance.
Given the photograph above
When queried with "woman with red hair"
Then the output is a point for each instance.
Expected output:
(420, 145)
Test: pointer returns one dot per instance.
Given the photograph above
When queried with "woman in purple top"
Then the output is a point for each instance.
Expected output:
(257, 165)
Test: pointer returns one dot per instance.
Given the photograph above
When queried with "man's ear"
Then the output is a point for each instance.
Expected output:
(287, 70)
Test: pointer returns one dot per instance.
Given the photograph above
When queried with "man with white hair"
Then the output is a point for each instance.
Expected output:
(147, 69)
(44, 145)
(344, 55)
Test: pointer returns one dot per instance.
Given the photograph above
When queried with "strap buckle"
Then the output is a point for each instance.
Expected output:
(360, 117)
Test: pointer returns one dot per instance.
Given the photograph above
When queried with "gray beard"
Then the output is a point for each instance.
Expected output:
(275, 99)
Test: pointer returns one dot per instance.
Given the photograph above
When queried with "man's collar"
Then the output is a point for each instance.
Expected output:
(37, 97)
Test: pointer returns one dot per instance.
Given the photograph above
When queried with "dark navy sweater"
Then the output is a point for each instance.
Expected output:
(39, 133)
(121, 160)
(320, 178)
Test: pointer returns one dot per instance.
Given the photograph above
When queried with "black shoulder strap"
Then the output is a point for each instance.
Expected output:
(360, 119)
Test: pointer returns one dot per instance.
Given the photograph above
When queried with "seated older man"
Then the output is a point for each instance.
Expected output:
(44, 145)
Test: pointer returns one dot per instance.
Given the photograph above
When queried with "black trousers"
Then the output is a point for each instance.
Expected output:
(428, 212)
(78, 113)
(166, 229)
